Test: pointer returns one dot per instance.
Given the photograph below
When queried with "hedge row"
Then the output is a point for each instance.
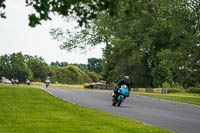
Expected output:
(73, 75)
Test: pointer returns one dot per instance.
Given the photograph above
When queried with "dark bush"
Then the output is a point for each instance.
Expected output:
(193, 90)
(173, 87)
(71, 75)
(87, 79)
(174, 90)
(93, 76)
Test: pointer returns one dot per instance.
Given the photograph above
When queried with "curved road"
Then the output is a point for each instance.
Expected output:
(175, 116)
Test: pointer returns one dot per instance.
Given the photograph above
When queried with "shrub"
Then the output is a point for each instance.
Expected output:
(71, 75)
(166, 85)
(176, 85)
(193, 90)
(93, 76)
(173, 88)
(87, 79)
(197, 85)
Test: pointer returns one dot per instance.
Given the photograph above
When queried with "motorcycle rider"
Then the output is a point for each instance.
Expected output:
(17, 81)
(13, 81)
(28, 82)
(125, 81)
(47, 82)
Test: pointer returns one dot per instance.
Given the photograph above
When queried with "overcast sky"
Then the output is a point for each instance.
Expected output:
(17, 36)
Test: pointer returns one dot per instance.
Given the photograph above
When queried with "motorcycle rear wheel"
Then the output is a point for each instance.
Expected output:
(119, 102)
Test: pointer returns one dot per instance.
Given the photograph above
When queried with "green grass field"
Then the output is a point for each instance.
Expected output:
(179, 97)
(30, 110)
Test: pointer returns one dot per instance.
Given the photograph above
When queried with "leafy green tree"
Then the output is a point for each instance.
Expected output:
(5, 66)
(59, 64)
(95, 65)
(83, 67)
(139, 38)
(55, 64)
(2, 6)
(71, 75)
(93, 76)
(52, 75)
(84, 9)
(38, 66)
(97, 33)
(137, 41)
(14, 66)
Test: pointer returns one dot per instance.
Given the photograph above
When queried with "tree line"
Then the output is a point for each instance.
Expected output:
(34, 68)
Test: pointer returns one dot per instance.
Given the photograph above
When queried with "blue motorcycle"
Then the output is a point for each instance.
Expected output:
(120, 96)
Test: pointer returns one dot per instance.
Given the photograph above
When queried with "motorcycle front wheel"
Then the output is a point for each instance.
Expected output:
(119, 102)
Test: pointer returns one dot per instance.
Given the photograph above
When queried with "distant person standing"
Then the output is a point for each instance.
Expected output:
(47, 82)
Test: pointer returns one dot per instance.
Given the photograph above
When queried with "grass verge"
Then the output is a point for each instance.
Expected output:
(179, 97)
(30, 110)
(57, 85)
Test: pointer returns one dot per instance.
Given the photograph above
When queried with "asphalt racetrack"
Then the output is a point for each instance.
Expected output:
(175, 116)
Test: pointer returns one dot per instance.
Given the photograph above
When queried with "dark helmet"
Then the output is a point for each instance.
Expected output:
(126, 79)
